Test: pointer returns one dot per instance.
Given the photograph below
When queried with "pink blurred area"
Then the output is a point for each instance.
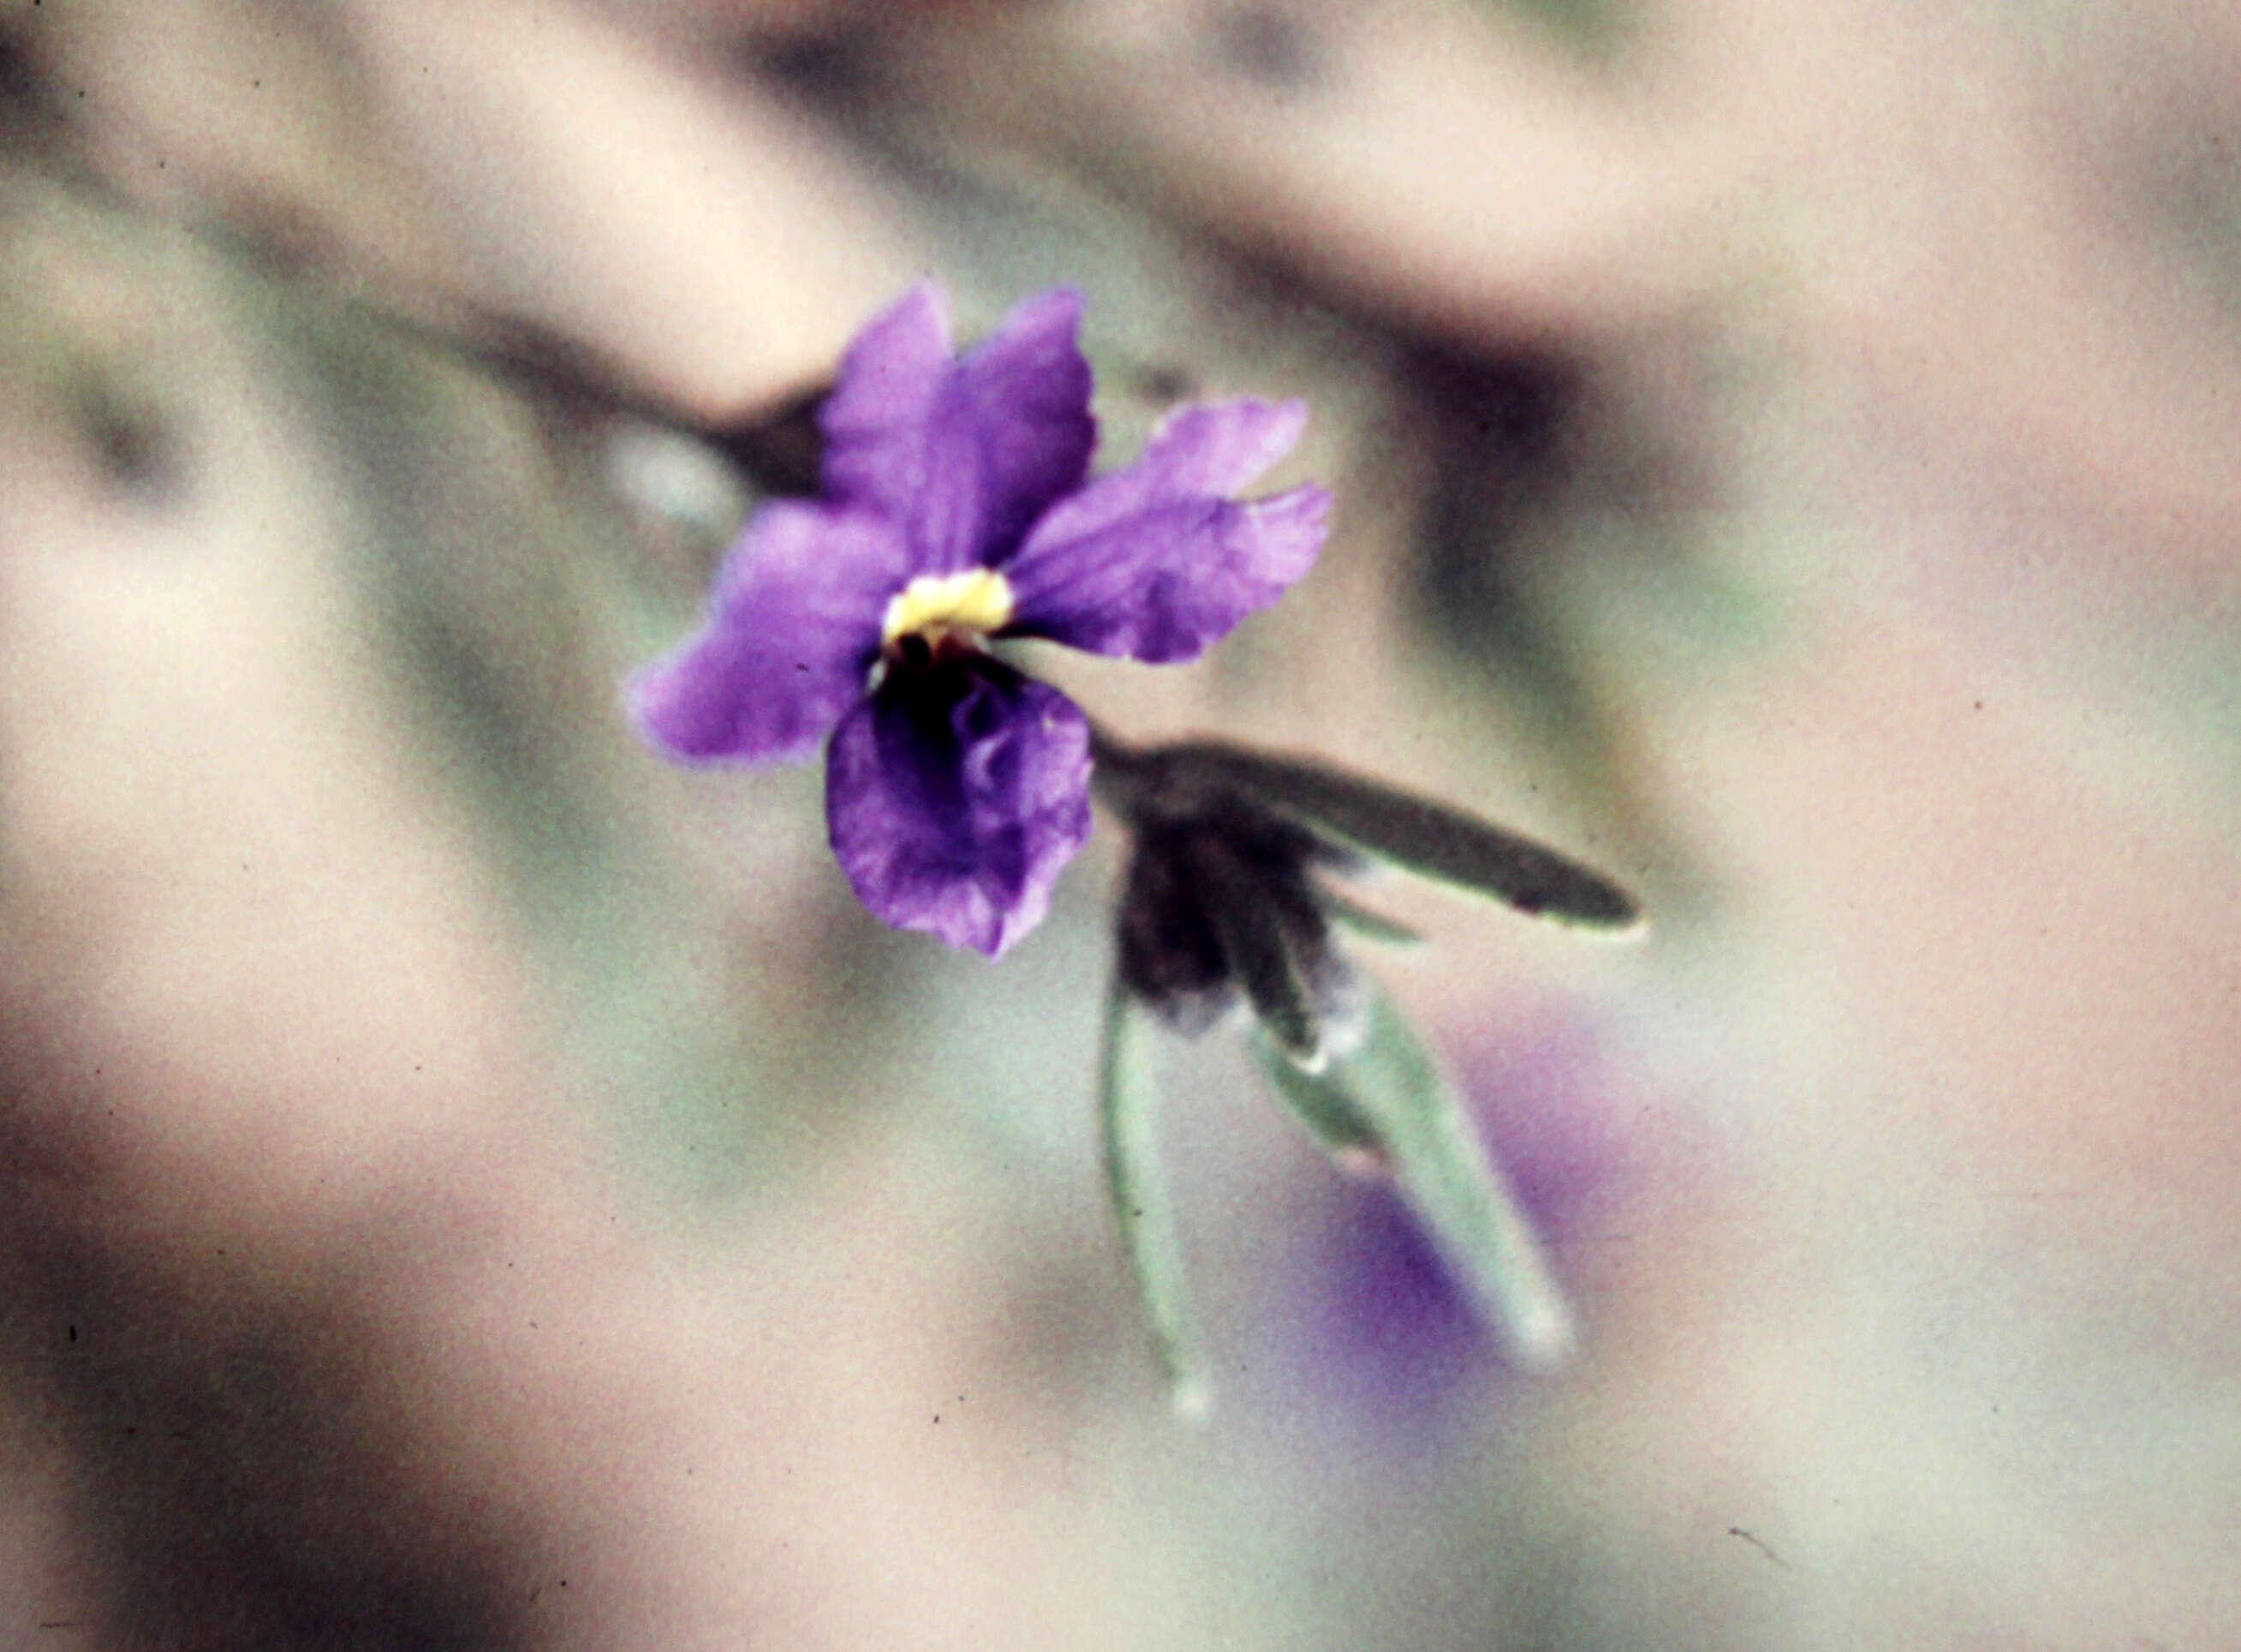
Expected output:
(462, 1183)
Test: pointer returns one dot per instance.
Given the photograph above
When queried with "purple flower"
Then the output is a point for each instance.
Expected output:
(958, 508)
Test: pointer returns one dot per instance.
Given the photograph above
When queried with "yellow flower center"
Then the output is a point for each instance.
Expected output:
(946, 608)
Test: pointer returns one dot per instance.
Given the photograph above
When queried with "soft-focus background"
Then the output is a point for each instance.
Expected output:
(464, 1184)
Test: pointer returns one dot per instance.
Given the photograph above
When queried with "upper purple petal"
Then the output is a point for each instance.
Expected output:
(876, 419)
(967, 453)
(792, 630)
(1009, 434)
(954, 797)
(1153, 562)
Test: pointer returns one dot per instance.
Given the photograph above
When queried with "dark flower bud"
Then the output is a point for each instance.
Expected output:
(1219, 900)
(1223, 900)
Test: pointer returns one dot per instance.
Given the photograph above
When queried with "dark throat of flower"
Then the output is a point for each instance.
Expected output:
(940, 620)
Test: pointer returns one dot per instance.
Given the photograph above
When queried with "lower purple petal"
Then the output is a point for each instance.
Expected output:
(1151, 562)
(792, 630)
(955, 795)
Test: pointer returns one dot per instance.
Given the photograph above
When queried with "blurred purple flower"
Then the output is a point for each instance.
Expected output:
(1388, 1333)
(958, 508)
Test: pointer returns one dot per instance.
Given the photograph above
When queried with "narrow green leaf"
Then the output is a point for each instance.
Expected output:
(1128, 1103)
(1370, 926)
(1323, 1102)
(1394, 1090)
(1419, 836)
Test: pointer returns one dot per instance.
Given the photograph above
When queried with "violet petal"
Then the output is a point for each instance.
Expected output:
(1009, 434)
(792, 630)
(1151, 562)
(876, 419)
(954, 796)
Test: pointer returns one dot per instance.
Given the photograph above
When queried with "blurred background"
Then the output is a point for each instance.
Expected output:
(465, 1184)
